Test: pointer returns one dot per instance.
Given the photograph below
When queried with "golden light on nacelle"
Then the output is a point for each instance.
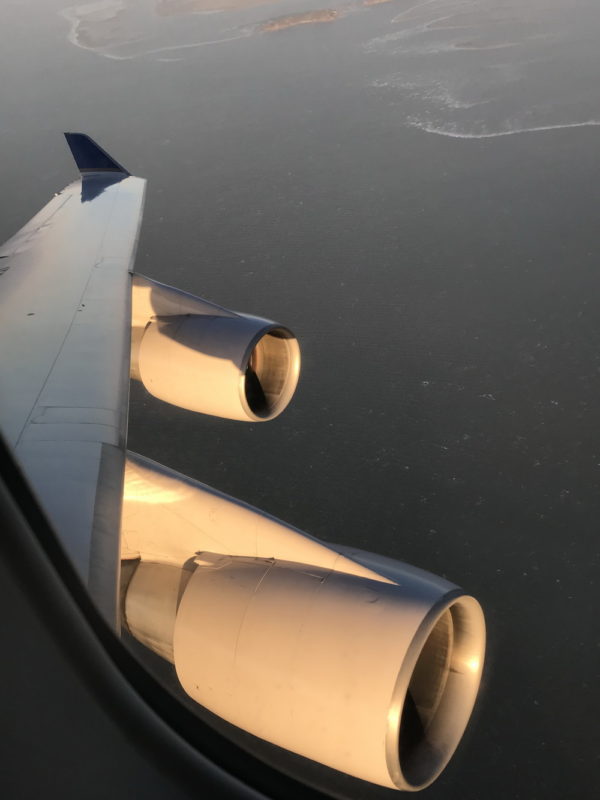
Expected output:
(199, 356)
(474, 664)
(370, 668)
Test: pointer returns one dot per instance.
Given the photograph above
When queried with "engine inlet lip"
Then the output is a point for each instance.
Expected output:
(291, 380)
(458, 696)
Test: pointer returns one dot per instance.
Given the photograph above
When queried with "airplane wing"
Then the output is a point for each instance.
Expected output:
(65, 287)
(367, 666)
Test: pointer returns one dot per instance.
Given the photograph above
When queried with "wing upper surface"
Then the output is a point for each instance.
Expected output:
(65, 295)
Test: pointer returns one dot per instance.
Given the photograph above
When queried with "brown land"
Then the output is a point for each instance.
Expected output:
(311, 17)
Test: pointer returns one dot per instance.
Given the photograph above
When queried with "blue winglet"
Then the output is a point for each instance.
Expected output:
(90, 157)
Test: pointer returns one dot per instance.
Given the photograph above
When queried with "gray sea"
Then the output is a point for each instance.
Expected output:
(414, 189)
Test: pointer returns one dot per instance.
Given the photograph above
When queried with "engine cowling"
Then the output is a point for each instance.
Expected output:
(202, 357)
(238, 367)
(375, 679)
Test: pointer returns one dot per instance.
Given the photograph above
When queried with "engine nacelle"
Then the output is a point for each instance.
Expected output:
(199, 356)
(238, 367)
(375, 679)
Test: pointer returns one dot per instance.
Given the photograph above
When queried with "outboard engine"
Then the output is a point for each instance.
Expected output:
(202, 357)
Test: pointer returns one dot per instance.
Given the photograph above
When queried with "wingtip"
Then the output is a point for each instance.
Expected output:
(89, 156)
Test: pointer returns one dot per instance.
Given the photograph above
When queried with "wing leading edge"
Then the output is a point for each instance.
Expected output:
(65, 288)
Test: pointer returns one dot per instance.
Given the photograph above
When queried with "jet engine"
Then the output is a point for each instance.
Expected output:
(202, 357)
(375, 679)
(362, 663)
